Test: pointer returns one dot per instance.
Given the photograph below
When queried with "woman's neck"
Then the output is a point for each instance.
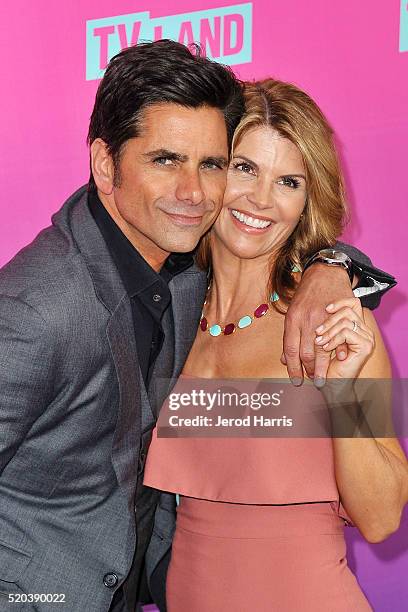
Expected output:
(237, 284)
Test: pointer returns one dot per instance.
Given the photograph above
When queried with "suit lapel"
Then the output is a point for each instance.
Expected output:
(126, 441)
(76, 221)
(188, 293)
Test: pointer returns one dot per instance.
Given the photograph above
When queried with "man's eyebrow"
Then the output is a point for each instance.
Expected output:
(219, 161)
(216, 160)
(166, 153)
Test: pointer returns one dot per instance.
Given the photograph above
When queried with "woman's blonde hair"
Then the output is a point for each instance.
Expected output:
(295, 116)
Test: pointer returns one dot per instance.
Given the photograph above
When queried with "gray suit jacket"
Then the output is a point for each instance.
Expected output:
(74, 419)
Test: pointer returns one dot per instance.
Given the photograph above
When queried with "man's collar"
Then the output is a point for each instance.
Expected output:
(136, 273)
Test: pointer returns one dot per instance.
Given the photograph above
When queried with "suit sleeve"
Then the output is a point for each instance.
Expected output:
(373, 282)
(26, 366)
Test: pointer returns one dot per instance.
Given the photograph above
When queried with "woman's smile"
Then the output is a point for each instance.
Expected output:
(250, 223)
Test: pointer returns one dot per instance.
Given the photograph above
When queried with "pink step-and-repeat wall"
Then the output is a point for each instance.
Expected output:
(352, 57)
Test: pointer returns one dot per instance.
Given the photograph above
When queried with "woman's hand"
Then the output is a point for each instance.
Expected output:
(346, 325)
(318, 286)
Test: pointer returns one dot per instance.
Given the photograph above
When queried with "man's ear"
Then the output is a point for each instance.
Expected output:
(102, 166)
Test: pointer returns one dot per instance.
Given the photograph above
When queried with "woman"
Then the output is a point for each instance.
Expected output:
(260, 521)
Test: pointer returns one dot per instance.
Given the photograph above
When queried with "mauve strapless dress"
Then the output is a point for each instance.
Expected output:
(259, 527)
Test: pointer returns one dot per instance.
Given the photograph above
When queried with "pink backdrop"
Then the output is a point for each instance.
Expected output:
(345, 54)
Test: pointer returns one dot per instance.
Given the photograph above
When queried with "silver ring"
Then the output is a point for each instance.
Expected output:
(355, 325)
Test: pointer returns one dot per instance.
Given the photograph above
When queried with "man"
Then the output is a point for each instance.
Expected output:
(86, 323)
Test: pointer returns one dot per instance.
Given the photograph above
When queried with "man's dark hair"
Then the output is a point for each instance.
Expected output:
(154, 73)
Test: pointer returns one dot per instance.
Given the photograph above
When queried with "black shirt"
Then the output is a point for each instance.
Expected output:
(148, 290)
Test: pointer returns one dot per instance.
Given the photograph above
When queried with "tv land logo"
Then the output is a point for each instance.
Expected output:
(225, 34)
(404, 26)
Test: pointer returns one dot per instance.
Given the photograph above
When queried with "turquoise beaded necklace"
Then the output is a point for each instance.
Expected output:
(245, 321)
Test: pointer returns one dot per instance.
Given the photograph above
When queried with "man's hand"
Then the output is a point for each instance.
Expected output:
(320, 285)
